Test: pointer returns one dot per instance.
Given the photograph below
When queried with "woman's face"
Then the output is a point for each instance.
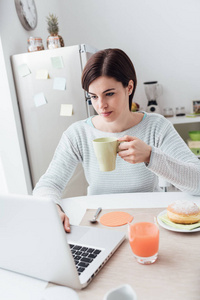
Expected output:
(109, 97)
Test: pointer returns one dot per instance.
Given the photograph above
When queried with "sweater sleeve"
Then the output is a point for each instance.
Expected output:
(172, 160)
(52, 184)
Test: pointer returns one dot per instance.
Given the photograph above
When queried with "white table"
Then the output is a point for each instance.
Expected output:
(75, 209)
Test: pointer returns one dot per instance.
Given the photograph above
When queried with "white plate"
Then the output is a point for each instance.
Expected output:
(166, 226)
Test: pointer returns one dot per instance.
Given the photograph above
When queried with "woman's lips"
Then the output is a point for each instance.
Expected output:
(106, 114)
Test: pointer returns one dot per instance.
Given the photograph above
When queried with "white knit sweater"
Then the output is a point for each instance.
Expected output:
(170, 158)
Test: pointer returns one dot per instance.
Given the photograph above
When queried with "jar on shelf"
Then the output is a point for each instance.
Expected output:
(168, 112)
(35, 44)
(53, 42)
(180, 111)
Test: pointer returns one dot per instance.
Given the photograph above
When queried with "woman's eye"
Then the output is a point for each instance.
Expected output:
(110, 94)
(93, 97)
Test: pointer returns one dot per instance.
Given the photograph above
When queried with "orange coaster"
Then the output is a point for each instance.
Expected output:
(115, 218)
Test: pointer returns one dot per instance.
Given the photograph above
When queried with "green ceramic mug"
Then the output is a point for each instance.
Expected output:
(106, 152)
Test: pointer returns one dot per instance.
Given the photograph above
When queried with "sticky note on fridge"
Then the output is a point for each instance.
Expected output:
(66, 110)
(42, 74)
(23, 70)
(57, 62)
(59, 83)
(39, 99)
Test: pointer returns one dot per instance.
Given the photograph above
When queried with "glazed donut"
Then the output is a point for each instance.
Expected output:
(183, 212)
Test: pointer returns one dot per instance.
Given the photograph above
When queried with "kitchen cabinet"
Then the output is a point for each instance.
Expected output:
(185, 124)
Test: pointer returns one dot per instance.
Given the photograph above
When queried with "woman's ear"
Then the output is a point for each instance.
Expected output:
(130, 87)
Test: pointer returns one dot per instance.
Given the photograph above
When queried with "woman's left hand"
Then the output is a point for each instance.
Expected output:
(133, 150)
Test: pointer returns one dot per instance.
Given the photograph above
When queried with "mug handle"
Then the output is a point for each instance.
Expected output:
(118, 143)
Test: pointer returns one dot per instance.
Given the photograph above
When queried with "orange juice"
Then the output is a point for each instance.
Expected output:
(144, 239)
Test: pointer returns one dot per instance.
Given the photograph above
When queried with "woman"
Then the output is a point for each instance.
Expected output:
(151, 146)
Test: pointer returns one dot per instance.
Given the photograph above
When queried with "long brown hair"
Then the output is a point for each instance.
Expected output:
(112, 63)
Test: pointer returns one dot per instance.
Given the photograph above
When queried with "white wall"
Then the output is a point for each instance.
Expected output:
(161, 37)
(10, 134)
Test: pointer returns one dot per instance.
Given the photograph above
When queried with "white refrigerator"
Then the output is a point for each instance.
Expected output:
(50, 98)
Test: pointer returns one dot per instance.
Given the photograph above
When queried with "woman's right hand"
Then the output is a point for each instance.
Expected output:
(64, 219)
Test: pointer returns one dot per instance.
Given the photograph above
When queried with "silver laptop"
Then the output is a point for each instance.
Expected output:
(34, 243)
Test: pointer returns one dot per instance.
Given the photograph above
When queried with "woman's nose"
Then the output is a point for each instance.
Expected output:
(102, 102)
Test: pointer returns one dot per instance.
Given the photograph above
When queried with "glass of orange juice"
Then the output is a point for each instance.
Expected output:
(144, 238)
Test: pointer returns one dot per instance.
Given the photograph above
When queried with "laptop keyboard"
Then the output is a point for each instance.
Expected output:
(83, 256)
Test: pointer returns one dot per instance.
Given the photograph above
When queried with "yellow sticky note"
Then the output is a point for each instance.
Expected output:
(57, 62)
(42, 74)
(23, 70)
(66, 110)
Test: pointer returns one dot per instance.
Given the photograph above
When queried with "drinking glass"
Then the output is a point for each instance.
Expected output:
(144, 238)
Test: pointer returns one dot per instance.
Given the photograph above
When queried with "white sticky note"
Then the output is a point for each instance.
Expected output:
(66, 110)
(59, 83)
(23, 70)
(57, 62)
(39, 99)
(42, 74)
